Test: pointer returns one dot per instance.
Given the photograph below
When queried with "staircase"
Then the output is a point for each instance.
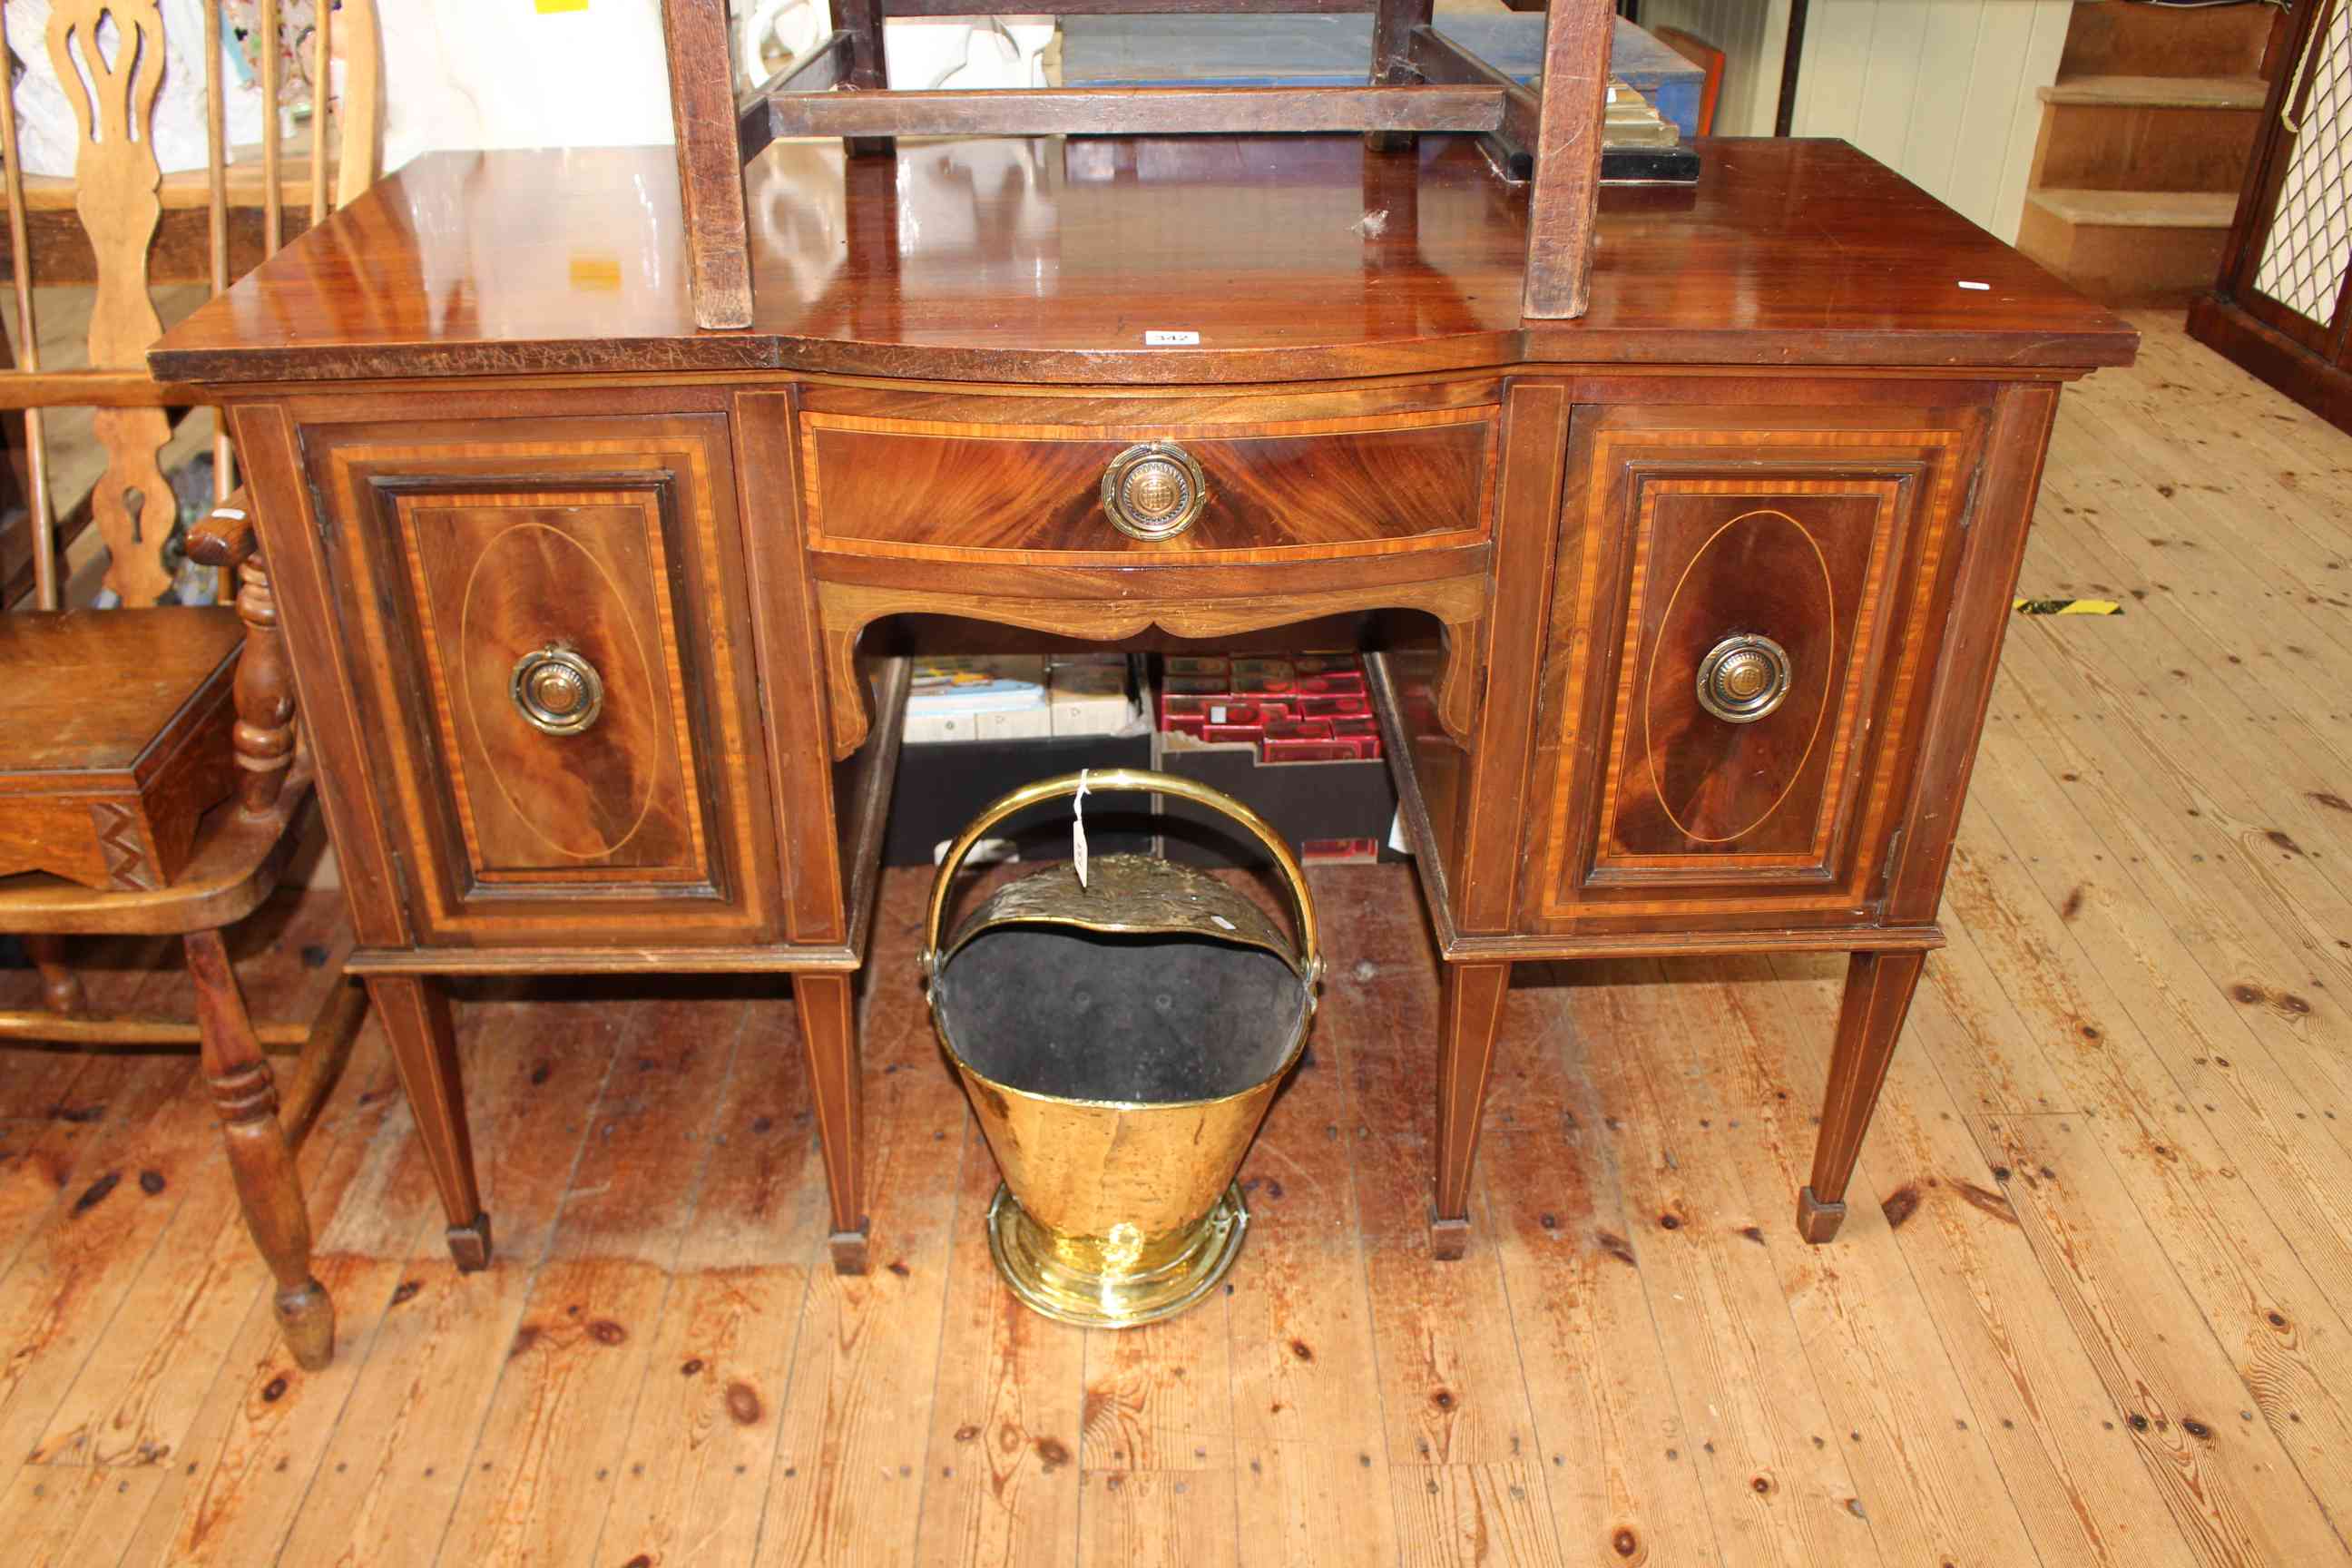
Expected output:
(2145, 140)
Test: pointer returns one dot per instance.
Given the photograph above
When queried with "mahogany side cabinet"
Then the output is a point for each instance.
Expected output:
(1686, 613)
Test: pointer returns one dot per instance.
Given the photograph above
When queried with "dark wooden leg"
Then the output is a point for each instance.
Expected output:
(259, 1158)
(829, 1029)
(1470, 1009)
(1392, 25)
(60, 987)
(869, 69)
(1878, 987)
(415, 1015)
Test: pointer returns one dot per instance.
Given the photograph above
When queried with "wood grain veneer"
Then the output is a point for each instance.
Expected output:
(1296, 489)
(466, 547)
(1787, 253)
(1839, 538)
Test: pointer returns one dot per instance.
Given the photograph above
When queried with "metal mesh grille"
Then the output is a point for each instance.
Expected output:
(2310, 238)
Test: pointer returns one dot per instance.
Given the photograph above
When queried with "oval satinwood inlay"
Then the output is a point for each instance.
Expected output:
(582, 796)
(1761, 572)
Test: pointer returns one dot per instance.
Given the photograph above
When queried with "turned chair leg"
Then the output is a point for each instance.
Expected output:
(1470, 1008)
(1878, 987)
(828, 1013)
(60, 987)
(259, 1157)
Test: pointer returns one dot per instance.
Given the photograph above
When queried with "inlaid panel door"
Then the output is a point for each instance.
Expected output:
(552, 618)
(1745, 610)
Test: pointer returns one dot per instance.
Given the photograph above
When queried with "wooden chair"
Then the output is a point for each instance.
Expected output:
(189, 840)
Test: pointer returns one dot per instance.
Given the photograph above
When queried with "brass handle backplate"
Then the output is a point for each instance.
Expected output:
(1744, 677)
(1154, 490)
(557, 691)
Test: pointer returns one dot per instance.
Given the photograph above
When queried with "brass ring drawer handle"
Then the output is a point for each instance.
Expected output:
(1154, 490)
(1744, 677)
(557, 691)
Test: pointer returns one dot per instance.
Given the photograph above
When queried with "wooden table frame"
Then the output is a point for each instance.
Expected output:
(1420, 80)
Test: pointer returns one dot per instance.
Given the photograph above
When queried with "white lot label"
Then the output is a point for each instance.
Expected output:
(1170, 339)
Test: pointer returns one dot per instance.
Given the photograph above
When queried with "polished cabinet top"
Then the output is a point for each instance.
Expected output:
(1099, 260)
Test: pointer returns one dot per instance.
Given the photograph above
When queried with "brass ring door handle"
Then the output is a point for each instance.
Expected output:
(557, 691)
(1154, 490)
(1744, 677)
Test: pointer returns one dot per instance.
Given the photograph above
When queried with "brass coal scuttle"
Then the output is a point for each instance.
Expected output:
(1120, 1028)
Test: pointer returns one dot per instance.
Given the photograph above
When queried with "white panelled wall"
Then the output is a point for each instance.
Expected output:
(1943, 90)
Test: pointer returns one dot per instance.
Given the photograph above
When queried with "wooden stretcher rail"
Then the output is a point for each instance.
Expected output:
(825, 67)
(1138, 112)
(1439, 60)
(93, 389)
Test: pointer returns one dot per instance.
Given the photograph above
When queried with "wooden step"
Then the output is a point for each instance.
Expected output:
(2158, 91)
(2117, 37)
(2130, 248)
(2139, 209)
(2147, 133)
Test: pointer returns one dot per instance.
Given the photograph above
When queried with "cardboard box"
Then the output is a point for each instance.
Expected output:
(1000, 696)
(1090, 699)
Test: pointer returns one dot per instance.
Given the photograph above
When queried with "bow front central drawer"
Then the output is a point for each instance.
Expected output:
(1177, 492)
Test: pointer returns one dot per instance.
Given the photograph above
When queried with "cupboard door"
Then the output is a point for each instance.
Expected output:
(1745, 608)
(555, 616)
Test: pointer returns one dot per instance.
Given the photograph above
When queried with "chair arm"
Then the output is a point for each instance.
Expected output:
(223, 536)
(264, 738)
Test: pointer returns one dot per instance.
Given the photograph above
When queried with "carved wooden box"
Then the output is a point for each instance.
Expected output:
(105, 773)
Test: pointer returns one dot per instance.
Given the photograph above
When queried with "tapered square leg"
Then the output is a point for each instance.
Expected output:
(1470, 1011)
(415, 1013)
(469, 1243)
(1878, 990)
(1817, 1221)
(829, 1030)
(260, 1160)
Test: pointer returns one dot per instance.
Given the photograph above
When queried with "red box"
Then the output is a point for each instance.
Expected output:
(1300, 730)
(1196, 686)
(1334, 707)
(1368, 727)
(1310, 750)
(1339, 683)
(1190, 707)
(1263, 675)
(1183, 724)
(1237, 711)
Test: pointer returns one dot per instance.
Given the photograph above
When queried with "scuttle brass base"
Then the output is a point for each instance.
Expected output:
(1120, 1281)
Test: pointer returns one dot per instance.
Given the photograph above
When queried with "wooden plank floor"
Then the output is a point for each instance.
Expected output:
(2094, 1304)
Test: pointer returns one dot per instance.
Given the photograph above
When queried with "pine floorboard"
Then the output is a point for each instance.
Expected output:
(2093, 1305)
